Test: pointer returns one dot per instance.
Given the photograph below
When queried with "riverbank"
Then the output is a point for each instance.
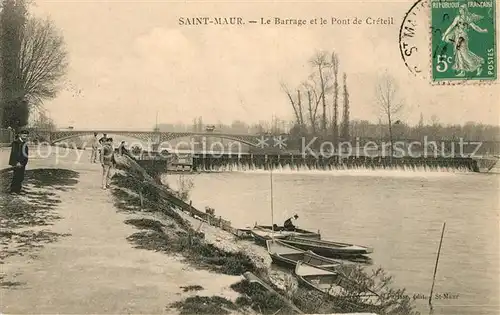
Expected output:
(106, 251)
(65, 250)
(137, 190)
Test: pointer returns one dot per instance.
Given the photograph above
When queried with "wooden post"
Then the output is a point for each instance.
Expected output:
(272, 204)
(142, 199)
(199, 227)
(436, 266)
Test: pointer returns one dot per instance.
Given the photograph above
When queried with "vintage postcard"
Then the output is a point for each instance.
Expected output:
(239, 157)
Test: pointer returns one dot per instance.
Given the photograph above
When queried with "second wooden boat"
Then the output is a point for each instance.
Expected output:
(326, 248)
(331, 283)
(288, 256)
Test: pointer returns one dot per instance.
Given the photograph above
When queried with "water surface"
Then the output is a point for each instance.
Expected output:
(399, 214)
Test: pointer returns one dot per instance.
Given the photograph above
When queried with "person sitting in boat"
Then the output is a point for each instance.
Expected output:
(288, 225)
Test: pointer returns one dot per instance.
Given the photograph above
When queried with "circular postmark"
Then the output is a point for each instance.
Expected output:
(414, 37)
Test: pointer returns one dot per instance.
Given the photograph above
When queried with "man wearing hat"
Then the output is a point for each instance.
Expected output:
(18, 160)
(289, 223)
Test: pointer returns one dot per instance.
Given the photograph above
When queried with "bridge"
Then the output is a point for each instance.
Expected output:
(54, 137)
(268, 142)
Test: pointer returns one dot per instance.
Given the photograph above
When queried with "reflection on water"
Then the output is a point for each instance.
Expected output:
(399, 214)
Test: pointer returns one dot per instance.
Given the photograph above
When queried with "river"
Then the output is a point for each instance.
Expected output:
(400, 214)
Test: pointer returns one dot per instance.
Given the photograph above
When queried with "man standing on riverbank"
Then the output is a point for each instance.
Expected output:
(18, 160)
(107, 161)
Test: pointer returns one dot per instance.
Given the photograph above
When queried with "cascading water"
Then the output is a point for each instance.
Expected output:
(304, 168)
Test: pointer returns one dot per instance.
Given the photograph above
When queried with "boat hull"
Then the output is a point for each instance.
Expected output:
(327, 249)
(287, 256)
(327, 282)
(283, 262)
(263, 233)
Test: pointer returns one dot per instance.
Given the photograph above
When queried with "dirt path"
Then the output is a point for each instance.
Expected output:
(95, 269)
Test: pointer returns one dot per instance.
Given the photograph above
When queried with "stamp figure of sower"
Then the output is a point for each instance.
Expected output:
(473, 53)
(457, 34)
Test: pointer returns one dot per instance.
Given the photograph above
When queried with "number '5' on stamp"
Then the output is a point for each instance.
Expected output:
(464, 45)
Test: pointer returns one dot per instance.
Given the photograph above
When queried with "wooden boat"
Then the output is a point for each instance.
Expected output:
(330, 282)
(326, 248)
(250, 277)
(261, 233)
(288, 256)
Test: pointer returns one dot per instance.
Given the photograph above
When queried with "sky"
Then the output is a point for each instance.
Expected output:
(130, 60)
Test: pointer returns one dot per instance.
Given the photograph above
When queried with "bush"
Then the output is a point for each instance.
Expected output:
(356, 282)
(214, 305)
(259, 299)
(192, 247)
(184, 187)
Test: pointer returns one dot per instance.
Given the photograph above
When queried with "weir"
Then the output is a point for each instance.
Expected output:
(265, 162)
(248, 162)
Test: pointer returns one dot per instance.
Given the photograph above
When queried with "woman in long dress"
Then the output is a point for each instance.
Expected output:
(457, 34)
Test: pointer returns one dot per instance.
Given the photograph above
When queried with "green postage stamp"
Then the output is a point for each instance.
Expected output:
(463, 40)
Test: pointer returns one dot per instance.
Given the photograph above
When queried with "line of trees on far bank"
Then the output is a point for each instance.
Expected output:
(363, 129)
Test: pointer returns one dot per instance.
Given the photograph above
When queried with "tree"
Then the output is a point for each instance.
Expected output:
(320, 61)
(43, 121)
(239, 126)
(296, 104)
(421, 121)
(434, 120)
(434, 128)
(313, 100)
(200, 124)
(276, 125)
(335, 69)
(345, 116)
(389, 103)
(12, 21)
(35, 59)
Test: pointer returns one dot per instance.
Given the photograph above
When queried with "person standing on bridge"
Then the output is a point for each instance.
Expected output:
(95, 144)
(18, 160)
(107, 161)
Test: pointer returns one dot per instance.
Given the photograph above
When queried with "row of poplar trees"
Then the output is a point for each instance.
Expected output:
(316, 102)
